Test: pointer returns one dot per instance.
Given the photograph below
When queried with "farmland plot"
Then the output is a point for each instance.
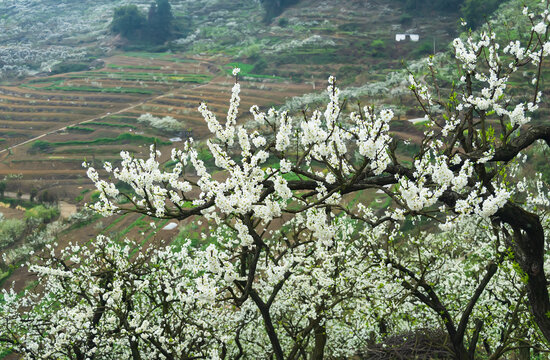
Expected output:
(92, 114)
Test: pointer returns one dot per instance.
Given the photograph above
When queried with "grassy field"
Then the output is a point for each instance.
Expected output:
(121, 139)
(247, 71)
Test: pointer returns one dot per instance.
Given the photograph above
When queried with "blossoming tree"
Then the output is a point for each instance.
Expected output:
(291, 266)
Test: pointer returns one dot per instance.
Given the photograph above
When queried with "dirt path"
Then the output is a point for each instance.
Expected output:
(98, 117)
(66, 209)
(13, 195)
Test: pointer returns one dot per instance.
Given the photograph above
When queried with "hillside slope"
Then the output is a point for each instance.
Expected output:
(37, 35)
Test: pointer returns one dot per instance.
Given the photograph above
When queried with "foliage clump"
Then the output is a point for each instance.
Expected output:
(128, 22)
(155, 28)
(41, 214)
(274, 8)
(10, 231)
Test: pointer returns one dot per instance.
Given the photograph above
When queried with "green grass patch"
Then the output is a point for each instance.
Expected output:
(246, 71)
(69, 67)
(121, 117)
(119, 219)
(147, 55)
(4, 353)
(164, 56)
(421, 125)
(169, 165)
(5, 275)
(137, 67)
(141, 76)
(144, 226)
(122, 138)
(58, 86)
(80, 197)
(189, 232)
(95, 195)
(80, 129)
(159, 225)
(57, 81)
(99, 90)
(84, 150)
(139, 222)
(97, 123)
(409, 151)
(82, 223)
(45, 80)
(355, 199)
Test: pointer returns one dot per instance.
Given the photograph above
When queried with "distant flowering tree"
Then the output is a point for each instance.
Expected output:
(292, 265)
(166, 123)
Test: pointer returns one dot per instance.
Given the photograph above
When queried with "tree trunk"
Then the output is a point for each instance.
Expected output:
(135, 350)
(271, 333)
(320, 342)
(461, 352)
(529, 253)
(524, 352)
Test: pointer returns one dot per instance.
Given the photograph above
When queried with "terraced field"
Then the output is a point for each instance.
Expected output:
(50, 124)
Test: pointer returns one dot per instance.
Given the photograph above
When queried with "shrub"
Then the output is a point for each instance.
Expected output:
(283, 22)
(41, 214)
(69, 67)
(79, 129)
(260, 66)
(40, 146)
(10, 231)
(47, 197)
(377, 47)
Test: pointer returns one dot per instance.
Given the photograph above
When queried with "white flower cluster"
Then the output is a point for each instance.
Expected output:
(496, 75)
(166, 123)
(375, 138)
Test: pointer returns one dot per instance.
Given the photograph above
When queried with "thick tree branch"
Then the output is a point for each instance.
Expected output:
(524, 140)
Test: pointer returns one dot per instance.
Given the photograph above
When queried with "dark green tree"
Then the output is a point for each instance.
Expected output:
(476, 11)
(2, 188)
(34, 192)
(274, 8)
(128, 22)
(159, 21)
